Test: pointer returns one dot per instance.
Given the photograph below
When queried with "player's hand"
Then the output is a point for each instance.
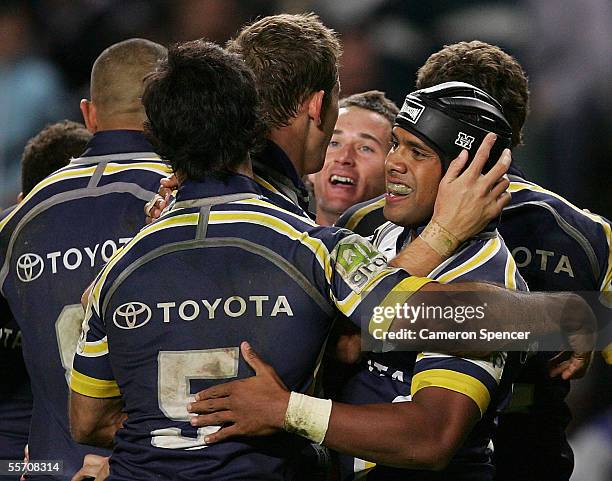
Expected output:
(345, 342)
(155, 207)
(578, 325)
(570, 365)
(254, 406)
(348, 348)
(467, 201)
(94, 466)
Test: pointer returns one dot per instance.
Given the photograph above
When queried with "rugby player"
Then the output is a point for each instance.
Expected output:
(550, 237)
(242, 268)
(67, 227)
(557, 246)
(353, 171)
(424, 140)
(44, 153)
(295, 61)
(451, 393)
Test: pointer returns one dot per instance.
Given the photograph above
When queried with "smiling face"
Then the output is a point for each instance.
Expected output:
(413, 172)
(354, 165)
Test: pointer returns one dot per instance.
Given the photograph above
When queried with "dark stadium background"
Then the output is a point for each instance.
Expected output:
(47, 48)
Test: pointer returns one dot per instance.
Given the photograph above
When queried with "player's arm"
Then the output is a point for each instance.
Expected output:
(95, 405)
(506, 310)
(95, 421)
(422, 434)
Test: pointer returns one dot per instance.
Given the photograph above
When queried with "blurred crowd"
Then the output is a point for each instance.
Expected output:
(47, 48)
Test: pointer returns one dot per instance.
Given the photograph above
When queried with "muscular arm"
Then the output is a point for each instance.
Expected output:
(422, 434)
(95, 421)
(506, 310)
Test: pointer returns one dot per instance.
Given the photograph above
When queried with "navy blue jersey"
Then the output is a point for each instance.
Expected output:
(51, 247)
(557, 246)
(168, 312)
(364, 218)
(15, 391)
(397, 376)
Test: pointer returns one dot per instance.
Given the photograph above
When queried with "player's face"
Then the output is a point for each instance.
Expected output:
(412, 172)
(354, 164)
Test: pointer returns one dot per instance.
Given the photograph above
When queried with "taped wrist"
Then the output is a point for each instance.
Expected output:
(439, 239)
(308, 416)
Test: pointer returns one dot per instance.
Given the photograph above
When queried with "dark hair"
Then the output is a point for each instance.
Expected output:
(487, 67)
(373, 100)
(202, 109)
(292, 56)
(50, 150)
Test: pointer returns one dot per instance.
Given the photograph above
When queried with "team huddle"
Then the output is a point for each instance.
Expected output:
(184, 315)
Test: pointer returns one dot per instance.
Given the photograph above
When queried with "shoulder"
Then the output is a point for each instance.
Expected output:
(561, 228)
(364, 217)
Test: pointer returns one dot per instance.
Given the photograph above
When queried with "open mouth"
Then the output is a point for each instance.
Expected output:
(341, 180)
(398, 190)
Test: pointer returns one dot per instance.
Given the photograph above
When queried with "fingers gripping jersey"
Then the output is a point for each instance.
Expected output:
(167, 314)
(51, 247)
(396, 377)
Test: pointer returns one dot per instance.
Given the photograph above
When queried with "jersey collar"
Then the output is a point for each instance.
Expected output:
(215, 187)
(276, 167)
(117, 141)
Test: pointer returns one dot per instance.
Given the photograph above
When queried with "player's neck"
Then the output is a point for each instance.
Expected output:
(325, 217)
(291, 139)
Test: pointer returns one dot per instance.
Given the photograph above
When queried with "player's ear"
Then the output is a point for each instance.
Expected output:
(20, 197)
(88, 109)
(315, 106)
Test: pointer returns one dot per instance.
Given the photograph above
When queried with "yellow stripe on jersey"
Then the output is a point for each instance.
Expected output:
(178, 220)
(491, 248)
(407, 287)
(606, 284)
(267, 185)
(607, 353)
(454, 381)
(510, 272)
(263, 203)
(97, 348)
(157, 167)
(62, 175)
(361, 467)
(361, 213)
(92, 387)
(316, 246)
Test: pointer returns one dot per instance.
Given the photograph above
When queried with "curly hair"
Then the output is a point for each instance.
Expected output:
(487, 67)
(50, 150)
(373, 100)
(202, 109)
(292, 56)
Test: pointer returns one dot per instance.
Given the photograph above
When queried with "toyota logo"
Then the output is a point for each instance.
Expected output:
(131, 315)
(29, 267)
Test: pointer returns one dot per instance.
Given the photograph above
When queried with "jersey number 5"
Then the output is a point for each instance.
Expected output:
(175, 370)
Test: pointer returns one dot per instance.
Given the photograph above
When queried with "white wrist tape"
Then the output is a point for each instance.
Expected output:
(308, 416)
